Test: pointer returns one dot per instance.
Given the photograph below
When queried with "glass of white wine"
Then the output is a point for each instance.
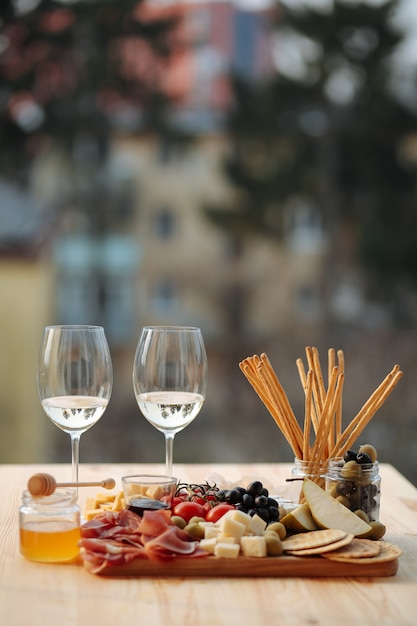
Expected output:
(170, 379)
(75, 379)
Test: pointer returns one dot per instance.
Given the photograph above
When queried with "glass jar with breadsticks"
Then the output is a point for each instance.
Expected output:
(320, 435)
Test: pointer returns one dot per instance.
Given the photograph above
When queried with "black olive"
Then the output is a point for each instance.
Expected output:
(255, 488)
(346, 488)
(363, 458)
(272, 502)
(349, 455)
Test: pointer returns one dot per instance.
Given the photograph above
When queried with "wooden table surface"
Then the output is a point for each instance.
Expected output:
(67, 595)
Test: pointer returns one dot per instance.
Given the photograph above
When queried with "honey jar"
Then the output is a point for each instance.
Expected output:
(50, 526)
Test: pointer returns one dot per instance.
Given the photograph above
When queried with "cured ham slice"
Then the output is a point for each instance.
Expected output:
(115, 538)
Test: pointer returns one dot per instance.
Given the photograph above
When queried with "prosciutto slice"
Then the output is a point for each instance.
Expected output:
(114, 538)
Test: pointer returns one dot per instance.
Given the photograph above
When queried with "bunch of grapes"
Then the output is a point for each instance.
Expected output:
(254, 499)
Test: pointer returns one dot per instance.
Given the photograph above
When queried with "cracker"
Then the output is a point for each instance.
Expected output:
(313, 539)
(335, 545)
(387, 552)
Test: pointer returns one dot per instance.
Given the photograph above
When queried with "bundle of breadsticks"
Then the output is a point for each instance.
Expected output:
(321, 436)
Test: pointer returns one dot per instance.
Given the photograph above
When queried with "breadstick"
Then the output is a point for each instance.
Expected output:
(307, 415)
(303, 378)
(362, 418)
(325, 417)
(339, 412)
(267, 373)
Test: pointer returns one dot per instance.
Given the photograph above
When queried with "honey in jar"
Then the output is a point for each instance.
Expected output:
(50, 526)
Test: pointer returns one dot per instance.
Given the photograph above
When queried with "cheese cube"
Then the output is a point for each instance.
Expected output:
(241, 517)
(91, 513)
(211, 531)
(208, 544)
(257, 525)
(232, 528)
(221, 538)
(227, 550)
(253, 546)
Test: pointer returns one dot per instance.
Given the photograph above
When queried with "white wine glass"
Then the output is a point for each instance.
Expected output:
(75, 379)
(170, 379)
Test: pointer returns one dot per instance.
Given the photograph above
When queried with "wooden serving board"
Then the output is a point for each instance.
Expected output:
(247, 567)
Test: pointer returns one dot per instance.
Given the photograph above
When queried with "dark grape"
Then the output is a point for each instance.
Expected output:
(248, 501)
(255, 488)
(234, 496)
(254, 500)
(273, 513)
(222, 495)
(263, 513)
(261, 502)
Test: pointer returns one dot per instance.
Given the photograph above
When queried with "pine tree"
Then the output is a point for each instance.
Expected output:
(63, 70)
(329, 129)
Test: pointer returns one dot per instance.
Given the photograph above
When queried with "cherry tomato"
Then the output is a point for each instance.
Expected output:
(216, 512)
(176, 500)
(187, 510)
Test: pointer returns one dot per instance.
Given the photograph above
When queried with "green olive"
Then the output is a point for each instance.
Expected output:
(344, 500)
(178, 521)
(279, 529)
(370, 450)
(273, 545)
(378, 530)
(333, 490)
(196, 520)
(195, 530)
(351, 470)
(362, 515)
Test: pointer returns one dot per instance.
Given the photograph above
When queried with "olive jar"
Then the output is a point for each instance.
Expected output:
(357, 486)
(50, 526)
(315, 470)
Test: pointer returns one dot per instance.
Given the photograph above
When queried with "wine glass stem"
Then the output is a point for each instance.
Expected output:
(75, 452)
(169, 448)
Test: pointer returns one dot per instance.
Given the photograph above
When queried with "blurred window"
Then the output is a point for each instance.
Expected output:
(165, 223)
(165, 298)
(307, 303)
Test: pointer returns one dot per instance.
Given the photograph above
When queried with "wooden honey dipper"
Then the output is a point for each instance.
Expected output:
(44, 484)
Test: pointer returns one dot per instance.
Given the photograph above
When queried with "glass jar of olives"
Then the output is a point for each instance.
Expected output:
(355, 484)
(315, 470)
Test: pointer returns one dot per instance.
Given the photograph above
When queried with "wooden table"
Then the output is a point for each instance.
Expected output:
(66, 595)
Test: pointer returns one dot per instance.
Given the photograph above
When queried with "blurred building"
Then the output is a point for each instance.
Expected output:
(155, 257)
(26, 285)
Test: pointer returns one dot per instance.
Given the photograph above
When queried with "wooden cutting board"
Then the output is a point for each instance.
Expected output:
(247, 567)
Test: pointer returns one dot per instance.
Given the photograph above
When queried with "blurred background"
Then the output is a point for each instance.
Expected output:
(248, 167)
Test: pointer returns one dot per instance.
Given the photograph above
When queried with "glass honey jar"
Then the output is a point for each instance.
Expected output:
(50, 526)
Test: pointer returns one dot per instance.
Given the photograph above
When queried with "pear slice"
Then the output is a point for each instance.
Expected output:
(329, 513)
(299, 520)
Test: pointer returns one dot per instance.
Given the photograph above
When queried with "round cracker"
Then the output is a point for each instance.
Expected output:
(313, 539)
(388, 552)
(359, 549)
(335, 545)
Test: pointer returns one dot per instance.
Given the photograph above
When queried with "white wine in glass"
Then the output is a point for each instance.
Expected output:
(75, 378)
(170, 379)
